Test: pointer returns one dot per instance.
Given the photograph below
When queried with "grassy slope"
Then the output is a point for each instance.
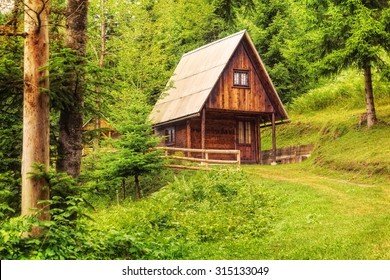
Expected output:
(333, 206)
(322, 217)
(329, 117)
(336, 205)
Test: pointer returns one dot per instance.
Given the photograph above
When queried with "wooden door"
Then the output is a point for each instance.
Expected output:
(246, 140)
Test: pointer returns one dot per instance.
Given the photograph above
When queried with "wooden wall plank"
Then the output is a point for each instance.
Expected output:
(228, 97)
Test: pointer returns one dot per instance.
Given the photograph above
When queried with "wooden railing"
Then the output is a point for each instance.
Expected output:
(204, 160)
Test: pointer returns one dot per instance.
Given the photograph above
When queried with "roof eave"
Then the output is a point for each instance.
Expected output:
(176, 120)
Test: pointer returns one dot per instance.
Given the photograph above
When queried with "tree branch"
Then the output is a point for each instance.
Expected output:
(11, 34)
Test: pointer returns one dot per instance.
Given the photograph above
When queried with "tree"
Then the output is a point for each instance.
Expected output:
(227, 9)
(273, 25)
(71, 117)
(11, 113)
(135, 153)
(36, 109)
(354, 33)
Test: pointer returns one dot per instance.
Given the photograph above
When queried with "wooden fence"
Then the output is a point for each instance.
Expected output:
(204, 160)
(286, 155)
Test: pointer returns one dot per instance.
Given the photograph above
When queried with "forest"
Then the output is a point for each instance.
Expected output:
(71, 193)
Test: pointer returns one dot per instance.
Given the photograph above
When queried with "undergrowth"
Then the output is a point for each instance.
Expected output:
(197, 216)
(69, 234)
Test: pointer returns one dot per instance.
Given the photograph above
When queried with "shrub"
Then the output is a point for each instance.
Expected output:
(69, 234)
(193, 213)
(9, 194)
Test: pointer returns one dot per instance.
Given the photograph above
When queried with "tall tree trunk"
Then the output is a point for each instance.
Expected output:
(123, 188)
(370, 106)
(36, 110)
(71, 118)
(137, 188)
(103, 32)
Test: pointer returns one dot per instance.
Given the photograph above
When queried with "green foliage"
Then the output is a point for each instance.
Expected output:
(228, 9)
(196, 216)
(280, 32)
(134, 154)
(70, 234)
(345, 91)
(11, 96)
(9, 194)
(63, 65)
(353, 33)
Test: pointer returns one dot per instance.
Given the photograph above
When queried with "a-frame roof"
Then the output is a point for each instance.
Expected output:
(196, 75)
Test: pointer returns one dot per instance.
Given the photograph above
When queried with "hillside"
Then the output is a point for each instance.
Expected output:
(335, 205)
(328, 117)
(332, 206)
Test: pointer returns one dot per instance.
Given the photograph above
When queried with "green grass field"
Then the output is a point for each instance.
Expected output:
(323, 217)
(336, 205)
(280, 212)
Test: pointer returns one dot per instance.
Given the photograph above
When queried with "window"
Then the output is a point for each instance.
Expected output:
(244, 132)
(241, 78)
(169, 135)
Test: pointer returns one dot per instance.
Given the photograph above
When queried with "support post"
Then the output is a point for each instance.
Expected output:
(189, 137)
(203, 131)
(258, 141)
(273, 139)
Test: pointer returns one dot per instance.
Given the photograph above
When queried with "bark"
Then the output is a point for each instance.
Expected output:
(137, 188)
(123, 188)
(36, 109)
(370, 106)
(71, 118)
(103, 31)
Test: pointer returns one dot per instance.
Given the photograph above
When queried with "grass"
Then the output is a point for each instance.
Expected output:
(333, 206)
(266, 212)
(323, 217)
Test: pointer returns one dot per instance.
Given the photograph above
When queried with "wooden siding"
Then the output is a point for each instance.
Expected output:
(225, 96)
(220, 133)
(180, 134)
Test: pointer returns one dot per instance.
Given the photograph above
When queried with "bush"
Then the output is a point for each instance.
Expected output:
(9, 194)
(69, 234)
(192, 215)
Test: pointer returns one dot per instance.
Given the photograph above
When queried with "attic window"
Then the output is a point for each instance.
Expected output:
(170, 136)
(241, 78)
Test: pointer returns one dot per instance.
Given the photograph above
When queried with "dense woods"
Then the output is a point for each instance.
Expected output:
(64, 63)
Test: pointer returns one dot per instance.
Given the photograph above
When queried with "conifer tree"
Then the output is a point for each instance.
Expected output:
(354, 33)
(71, 117)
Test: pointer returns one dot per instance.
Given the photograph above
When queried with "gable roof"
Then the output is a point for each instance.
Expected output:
(196, 75)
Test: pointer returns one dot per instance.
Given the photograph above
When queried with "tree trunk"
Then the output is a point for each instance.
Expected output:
(71, 118)
(103, 31)
(370, 107)
(36, 110)
(137, 188)
(123, 188)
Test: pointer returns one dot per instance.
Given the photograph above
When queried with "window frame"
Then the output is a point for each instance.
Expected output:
(238, 80)
(244, 132)
(170, 135)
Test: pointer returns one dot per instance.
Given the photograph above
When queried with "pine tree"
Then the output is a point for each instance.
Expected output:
(354, 33)
(71, 116)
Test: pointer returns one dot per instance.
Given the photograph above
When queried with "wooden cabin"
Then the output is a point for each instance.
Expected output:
(219, 97)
